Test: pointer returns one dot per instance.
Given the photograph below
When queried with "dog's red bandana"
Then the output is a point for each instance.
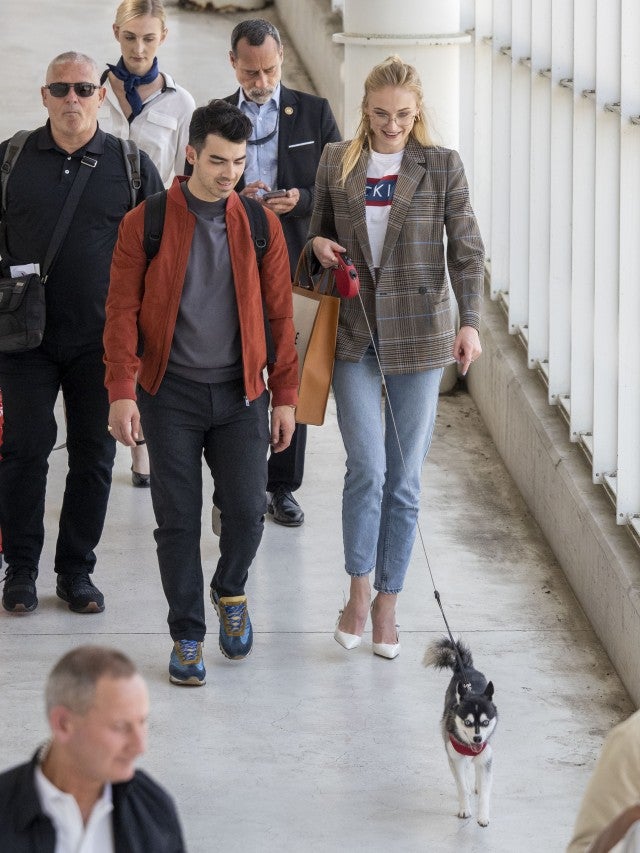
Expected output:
(466, 748)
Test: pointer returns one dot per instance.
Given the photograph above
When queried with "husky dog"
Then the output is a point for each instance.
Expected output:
(468, 721)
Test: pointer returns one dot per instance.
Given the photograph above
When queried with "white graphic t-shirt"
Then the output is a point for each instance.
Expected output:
(382, 175)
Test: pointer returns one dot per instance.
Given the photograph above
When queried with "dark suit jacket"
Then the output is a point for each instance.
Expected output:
(306, 125)
(144, 817)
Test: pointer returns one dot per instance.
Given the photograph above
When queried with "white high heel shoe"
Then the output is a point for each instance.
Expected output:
(347, 641)
(386, 650)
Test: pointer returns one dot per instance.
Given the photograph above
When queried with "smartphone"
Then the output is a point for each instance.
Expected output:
(274, 194)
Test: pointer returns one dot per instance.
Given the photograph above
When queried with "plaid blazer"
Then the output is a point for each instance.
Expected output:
(407, 299)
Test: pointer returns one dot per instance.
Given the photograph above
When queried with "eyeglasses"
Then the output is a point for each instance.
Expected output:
(401, 119)
(82, 90)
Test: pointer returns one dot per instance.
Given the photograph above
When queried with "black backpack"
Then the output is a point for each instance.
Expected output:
(154, 212)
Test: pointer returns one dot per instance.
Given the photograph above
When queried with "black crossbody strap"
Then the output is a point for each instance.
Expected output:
(66, 214)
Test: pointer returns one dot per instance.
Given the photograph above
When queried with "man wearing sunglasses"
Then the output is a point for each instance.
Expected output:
(70, 356)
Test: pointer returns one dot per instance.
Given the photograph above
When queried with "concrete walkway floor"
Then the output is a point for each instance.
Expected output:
(305, 746)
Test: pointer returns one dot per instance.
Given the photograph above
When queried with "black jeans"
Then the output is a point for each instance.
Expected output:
(181, 422)
(30, 383)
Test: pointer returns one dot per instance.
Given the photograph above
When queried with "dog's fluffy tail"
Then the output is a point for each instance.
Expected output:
(441, 654)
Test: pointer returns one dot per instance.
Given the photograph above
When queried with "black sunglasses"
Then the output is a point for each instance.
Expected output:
(82, 90)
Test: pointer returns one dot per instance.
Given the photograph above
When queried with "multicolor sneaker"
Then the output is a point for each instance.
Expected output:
(236, 633)
(186, 665)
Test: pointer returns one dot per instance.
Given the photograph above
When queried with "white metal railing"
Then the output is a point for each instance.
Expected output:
(554, 164)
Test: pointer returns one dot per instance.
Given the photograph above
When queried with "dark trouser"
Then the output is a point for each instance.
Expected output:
(287, 468)
(183, 420)
(30, 383)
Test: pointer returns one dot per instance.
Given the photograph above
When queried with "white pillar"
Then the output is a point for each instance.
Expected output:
(424, 33)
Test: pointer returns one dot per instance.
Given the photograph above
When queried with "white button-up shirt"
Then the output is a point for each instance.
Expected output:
(72, 836)
(161, 129)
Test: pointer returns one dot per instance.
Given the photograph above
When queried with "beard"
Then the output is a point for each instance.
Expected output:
(261, 96)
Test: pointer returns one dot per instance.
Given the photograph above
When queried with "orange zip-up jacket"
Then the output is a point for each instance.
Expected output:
(142, 304)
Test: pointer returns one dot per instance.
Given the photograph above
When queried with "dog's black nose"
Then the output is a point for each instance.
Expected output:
(477, 739)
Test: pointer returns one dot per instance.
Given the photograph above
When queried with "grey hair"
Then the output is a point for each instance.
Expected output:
(72, 681)
(255, 31)
(74, 56)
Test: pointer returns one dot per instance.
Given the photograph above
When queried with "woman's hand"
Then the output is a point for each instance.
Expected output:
(466, 347)
(325, 251)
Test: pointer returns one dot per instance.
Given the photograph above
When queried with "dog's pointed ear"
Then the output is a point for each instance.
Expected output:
(488, 691)
(461, 691)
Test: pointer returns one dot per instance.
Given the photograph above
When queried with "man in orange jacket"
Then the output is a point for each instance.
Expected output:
(199, 312)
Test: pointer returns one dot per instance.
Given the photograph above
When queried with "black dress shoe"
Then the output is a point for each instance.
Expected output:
(284, 508)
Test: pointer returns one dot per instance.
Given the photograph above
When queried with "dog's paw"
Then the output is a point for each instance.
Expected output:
(483, 821)
(464, 813)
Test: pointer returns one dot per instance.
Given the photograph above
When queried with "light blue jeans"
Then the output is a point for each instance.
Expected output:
(381, 499)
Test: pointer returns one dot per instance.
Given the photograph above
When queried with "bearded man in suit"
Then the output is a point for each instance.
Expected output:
(291, 129)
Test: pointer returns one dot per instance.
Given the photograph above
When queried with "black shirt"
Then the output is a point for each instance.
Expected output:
(38, 184)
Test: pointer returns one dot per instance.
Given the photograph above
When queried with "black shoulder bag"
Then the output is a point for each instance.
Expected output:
(22, 299)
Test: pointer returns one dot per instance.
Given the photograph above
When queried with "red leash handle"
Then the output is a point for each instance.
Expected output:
(346, 277)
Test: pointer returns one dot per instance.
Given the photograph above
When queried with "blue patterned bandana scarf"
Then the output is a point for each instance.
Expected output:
(132, 81)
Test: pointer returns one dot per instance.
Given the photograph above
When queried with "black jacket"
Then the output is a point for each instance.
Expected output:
(306, 124)
(144, 817)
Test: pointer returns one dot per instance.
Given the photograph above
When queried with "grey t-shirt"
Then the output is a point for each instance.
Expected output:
(206, 341)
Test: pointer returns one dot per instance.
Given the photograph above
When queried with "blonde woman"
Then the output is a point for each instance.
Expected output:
(142, 102)
(146, 105)
(386, 199)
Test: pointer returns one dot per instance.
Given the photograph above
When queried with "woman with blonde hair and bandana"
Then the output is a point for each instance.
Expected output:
(146, 105)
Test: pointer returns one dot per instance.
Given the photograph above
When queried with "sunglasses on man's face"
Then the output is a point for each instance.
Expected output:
(82, 90)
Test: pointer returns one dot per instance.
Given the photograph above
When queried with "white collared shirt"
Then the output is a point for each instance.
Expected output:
(161, 129)
(262, 160)
(72, 836)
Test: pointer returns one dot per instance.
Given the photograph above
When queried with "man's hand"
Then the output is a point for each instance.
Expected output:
(466, 347)
(280, 205)
(284, 203)
(124, 421)
(251, 190)
(283, 424)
